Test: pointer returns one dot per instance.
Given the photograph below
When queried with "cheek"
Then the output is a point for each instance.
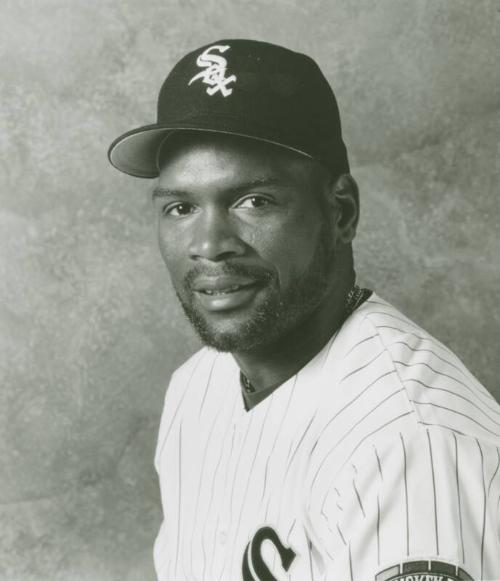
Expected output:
(290, 249)
(171, 253)
(164, 246)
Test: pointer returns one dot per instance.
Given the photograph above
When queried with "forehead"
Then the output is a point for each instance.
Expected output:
(192, 155)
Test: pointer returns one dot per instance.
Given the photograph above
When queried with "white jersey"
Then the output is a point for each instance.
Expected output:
(378, 461)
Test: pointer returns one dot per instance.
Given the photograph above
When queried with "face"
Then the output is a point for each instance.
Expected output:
(246, 238)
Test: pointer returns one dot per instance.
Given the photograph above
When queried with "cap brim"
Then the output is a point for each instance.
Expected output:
(136, 152)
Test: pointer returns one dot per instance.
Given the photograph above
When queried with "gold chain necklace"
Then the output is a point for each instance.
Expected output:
(353, 299)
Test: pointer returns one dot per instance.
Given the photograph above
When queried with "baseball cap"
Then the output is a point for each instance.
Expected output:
(241, 87)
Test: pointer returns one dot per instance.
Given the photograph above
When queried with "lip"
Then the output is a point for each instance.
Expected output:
(226, 297)
(221, 284)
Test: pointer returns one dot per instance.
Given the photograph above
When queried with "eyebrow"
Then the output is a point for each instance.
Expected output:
(161, 192)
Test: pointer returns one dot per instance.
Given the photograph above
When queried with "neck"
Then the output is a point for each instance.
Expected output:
(277, 362)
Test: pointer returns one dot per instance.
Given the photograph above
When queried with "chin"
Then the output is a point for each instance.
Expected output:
(238, 338)
(233, 334)
(238, 331)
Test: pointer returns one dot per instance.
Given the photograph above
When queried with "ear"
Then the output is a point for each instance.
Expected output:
(344, 197)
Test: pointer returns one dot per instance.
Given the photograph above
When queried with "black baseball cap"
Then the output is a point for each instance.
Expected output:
(241, 87)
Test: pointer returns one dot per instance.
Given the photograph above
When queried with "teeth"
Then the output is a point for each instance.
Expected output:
(222, 292)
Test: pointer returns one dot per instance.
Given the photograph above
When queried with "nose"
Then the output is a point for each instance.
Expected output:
(215, 237)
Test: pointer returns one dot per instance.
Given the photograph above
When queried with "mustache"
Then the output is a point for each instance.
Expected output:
(256, 273)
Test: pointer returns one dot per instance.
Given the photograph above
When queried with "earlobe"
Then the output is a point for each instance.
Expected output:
(345, 194)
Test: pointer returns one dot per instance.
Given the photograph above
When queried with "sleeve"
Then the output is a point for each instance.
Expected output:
(415, 505)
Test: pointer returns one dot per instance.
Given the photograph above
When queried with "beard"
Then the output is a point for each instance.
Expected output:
(282, 310)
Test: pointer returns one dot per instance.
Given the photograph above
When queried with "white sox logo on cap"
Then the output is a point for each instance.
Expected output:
(214, 70)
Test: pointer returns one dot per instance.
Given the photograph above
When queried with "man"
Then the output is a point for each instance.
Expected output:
(320, 434)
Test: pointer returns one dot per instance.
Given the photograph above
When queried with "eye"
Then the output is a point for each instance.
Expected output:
(254, 202)
(178, 209)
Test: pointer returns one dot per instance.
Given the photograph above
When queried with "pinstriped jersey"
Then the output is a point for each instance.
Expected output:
(379, 460)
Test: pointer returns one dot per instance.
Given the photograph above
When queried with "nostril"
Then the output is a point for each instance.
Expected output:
(214, 255)
(216, 244)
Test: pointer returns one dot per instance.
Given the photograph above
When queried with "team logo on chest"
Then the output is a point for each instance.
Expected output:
(214, 70)
(252, 557)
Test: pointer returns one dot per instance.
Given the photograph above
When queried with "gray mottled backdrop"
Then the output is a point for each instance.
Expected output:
(90, 330)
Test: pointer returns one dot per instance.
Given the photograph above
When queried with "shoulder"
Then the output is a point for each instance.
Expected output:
(205, 367)
(384, 375)
(188, 377)
(188, 388)
(195, 373)
(441, 391)
(193, 364)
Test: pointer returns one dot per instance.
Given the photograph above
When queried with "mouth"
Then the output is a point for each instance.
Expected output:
(226, 290)
(222, 296)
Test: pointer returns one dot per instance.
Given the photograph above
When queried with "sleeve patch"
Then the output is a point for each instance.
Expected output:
(424, 571)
